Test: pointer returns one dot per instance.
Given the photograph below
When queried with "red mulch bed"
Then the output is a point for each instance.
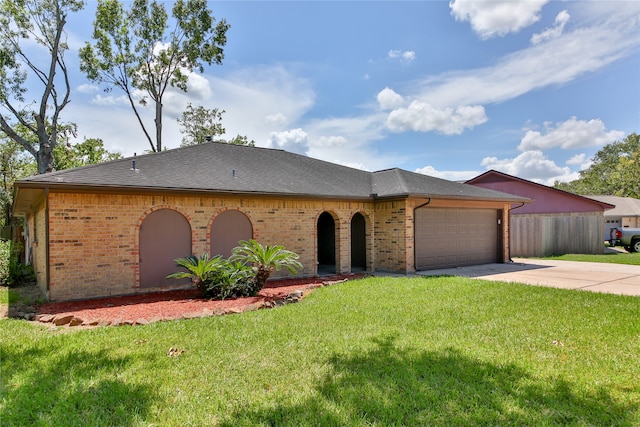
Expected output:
(171, 305)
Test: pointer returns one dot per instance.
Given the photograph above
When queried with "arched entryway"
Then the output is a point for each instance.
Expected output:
(326, 244)
(358, 243)
(165, 235)
(227, 230)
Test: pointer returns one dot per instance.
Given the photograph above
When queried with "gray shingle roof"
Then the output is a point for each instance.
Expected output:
(624, 206)
(218, 167)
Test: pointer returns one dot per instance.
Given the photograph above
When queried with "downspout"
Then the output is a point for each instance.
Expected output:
(47, 273)
(510, 209)
(414, 229)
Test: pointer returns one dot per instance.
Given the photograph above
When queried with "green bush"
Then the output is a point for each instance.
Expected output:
(217, 277)
(12, 271)
(230, 280)
(5, 256)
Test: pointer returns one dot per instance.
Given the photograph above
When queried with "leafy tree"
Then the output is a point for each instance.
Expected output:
(15, 164)
(88, 152)
(199, 125)
(133, 50)
(265, 259)
(21, 22)
(615, 170)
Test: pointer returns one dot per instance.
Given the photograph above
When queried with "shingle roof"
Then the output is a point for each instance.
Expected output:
(219, 167)
(624, 206)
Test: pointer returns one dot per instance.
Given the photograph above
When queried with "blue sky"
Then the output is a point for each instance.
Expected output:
(450, 89)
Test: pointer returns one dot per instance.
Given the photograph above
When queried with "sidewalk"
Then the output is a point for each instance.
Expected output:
(591, 276)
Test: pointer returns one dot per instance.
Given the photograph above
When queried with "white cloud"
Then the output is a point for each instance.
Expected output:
(405, 56)
(388, 99)
(423, 117)
(294, 140)
(330, 141)
(552, 62)
(110, 100)
(277, 119)
(532, 165)
(450, 175)
(561, 20)
(491, 18)
(570, 134)
(88, 88)
(577, 159)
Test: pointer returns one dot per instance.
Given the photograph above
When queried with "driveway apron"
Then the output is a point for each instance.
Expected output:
(591, 276)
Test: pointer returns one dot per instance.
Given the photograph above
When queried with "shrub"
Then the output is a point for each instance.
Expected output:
(265, 259)
(198, 269)
(12, 271)
(217, 277)
(230, 280)
(5, 255)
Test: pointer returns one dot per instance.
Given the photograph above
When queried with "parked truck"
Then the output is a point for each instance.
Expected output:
(629, 238)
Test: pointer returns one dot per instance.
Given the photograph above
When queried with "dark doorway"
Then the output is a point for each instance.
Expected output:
(227, 230)
(326, 244)
(164, 236)
(358, 243)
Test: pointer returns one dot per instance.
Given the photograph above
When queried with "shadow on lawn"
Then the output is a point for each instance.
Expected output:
(67, 389)
(390, 386)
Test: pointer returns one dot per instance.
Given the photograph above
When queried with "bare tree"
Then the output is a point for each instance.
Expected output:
(42, 21)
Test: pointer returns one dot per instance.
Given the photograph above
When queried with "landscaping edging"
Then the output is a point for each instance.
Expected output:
(176, 309)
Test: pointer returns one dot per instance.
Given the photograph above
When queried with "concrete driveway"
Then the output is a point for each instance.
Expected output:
(588, 276)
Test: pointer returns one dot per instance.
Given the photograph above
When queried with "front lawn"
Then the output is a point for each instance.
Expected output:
(436, 351)
(612, 258)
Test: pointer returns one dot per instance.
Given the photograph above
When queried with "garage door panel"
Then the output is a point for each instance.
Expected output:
(455, 237)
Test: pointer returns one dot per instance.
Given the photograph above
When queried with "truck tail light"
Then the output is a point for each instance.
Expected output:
(618, 234)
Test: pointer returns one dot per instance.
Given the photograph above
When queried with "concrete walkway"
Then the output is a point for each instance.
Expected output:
(589, 276)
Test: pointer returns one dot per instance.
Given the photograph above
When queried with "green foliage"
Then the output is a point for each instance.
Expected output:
(614, 171)
(5, 257)
(199, 125)
(141, 49)
(12, 271)
(217, 277)
(231, 280)
(265, 259)
(198, 269)
(88, 152)
(14, 164)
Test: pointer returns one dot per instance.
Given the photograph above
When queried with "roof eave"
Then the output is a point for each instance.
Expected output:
(178, 190)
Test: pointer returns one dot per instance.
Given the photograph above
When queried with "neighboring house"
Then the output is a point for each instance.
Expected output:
(626, 213)
(115, 228)
(556, 222)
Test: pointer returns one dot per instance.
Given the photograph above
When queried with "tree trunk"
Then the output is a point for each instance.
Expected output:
(158, 126)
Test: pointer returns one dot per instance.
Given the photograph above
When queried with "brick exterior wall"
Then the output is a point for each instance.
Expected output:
(94, 238)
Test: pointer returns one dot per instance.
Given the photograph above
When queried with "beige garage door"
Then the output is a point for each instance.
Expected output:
(455, 237)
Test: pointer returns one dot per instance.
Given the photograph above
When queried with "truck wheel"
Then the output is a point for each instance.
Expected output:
(635, 246)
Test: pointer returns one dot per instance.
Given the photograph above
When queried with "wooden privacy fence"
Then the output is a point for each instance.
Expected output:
(538, 235)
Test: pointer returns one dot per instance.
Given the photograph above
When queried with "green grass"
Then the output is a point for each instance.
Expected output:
(440, 351)
(612, 258)
(8, 296)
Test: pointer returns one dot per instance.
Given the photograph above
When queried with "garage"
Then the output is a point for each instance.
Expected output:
(456, 237)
